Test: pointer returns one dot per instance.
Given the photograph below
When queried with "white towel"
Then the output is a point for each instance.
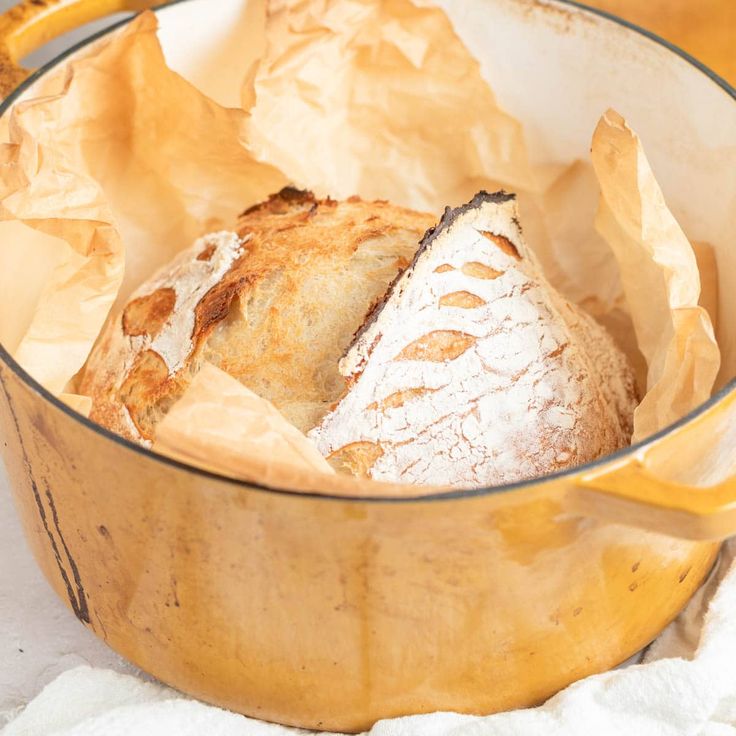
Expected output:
(685, 687)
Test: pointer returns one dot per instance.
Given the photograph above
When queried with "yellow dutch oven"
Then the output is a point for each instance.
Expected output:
(331, 612)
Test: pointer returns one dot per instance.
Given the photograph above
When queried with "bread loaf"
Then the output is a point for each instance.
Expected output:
(473, 370)
(274, 304)
(458, 363)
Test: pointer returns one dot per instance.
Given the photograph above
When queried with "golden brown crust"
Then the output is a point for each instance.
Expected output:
(148, 314)
(278, 318)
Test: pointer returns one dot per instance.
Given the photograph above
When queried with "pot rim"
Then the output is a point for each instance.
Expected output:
(38, 389)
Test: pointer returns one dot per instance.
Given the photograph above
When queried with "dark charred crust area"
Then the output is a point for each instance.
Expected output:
(372, 313)
(284, 201)
(483, 197)
(449, 217)
(290, 201)
(292, 194)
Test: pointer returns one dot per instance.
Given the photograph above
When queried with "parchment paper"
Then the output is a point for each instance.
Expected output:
(222, 426)
(357, 97)
(227, 415)
(128, 153)
(129, 163)
(660, 278)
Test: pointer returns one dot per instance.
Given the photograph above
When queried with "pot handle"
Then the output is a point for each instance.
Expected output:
(631, 494)
(682, 484)
(32, 23)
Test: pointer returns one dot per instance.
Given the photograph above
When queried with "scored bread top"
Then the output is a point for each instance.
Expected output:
(473, 370)
(274, 304)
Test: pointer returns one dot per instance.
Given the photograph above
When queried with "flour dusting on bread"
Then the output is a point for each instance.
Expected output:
(473, 370)
(152, 340)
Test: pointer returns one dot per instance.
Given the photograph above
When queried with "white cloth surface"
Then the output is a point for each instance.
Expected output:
(685, 687)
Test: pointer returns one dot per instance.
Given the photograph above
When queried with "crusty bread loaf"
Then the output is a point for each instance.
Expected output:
(458, 363)
(474, 370)
(274, 304)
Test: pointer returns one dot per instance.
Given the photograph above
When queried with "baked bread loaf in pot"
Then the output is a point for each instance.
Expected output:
(331, 610)
(470, 370)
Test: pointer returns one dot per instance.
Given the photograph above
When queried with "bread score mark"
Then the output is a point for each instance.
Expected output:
(461, 300)
(480, 271)
(357, 458)
(398, 399)
(503, 243)
(438, 346)
(148, 314)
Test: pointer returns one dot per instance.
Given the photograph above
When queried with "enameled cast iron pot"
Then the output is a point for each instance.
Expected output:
(329, 612)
